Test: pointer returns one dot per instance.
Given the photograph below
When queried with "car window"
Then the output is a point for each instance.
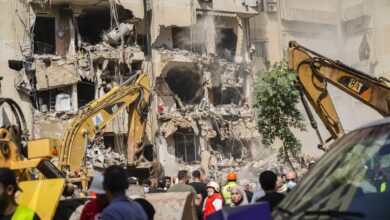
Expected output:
(355, 168)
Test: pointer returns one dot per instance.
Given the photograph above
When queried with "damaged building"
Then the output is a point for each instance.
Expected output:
(202, 83)
(196, 53)
(74, 52)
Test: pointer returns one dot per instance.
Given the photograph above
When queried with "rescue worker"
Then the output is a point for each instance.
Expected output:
(213, 201)
(93, 209)
(232, 181)
(384, 186)
(9, 209)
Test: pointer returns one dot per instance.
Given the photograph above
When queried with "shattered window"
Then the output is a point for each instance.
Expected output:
(186, 147)
(92, 23)
(44, 35)
(226, 43)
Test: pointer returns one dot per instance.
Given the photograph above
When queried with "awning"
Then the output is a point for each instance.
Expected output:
(309, 11)
(216, 13)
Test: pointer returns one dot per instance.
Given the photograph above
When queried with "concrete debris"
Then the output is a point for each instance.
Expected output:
(52, 72)
(220, 121)
(98, 156)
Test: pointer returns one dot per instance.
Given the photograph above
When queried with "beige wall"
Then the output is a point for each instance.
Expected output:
(13, 32)
(381, 20)
(337, 40)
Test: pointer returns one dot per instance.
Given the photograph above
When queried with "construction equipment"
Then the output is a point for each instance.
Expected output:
(134, 94)
(24, 156)
(314, 71)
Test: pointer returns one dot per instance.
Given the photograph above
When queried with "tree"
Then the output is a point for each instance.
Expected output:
(275, 100)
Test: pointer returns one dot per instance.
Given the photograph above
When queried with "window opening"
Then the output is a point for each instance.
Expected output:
(186, 146)
(44, 35)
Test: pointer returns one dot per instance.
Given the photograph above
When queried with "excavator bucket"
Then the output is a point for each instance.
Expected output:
(42, 196)
(173, 205)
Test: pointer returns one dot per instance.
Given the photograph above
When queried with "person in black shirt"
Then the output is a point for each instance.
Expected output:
(267, 181)
(201, 190)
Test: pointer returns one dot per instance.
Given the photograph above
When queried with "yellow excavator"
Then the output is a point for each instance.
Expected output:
(43, 182)
(314, 71)
(134, 94)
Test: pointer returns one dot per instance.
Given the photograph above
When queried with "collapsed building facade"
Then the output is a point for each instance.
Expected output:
(197, 54)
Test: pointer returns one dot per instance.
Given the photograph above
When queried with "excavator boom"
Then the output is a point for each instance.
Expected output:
(134, 93)
(314, 71)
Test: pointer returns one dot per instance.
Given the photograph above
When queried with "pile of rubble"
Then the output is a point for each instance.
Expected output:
(228, 121)
(98, 156)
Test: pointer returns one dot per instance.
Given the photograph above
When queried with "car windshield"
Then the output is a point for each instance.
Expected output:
(354, 176)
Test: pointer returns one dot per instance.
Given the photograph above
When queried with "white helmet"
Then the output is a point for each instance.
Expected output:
(213, 185)
(97, 184)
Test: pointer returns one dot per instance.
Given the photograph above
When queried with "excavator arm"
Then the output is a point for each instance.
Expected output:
(314, 71)
(134, 93)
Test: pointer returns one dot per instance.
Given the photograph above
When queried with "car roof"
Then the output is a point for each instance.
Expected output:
(376, 123)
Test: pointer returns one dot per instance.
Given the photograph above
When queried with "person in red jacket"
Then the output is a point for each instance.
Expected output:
(214, 200)
(93, 209)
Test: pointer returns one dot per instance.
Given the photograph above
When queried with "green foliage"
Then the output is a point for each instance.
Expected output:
(275, 101)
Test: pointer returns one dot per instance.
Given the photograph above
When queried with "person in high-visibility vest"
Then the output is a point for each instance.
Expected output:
(232, 181)
(384, 186)
(9, 209)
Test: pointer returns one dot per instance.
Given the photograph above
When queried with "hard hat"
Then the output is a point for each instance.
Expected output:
(97, 184)
(132, 180)
(232, 176)
(213, 185)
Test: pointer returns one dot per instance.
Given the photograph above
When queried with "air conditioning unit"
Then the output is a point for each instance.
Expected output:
(272, 7)
(272, 1)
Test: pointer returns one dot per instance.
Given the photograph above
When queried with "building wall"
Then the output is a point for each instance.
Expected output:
(336, 29)
(217, 121)
(12, 35)
(381, 26)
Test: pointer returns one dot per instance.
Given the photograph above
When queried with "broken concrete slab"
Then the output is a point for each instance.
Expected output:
(55, 73)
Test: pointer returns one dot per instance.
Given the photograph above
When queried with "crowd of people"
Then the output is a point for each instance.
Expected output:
(211, 197)
(111, 201)
(111, 189)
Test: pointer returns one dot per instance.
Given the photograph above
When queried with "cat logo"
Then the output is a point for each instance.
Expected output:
(355, 85)
(114, 108)
(111, 109)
